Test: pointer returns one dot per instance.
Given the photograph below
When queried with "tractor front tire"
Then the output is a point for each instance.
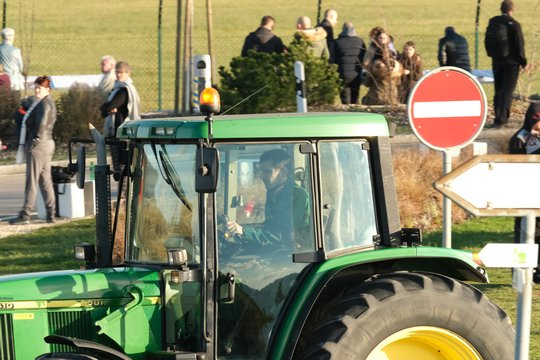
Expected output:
(406, 315)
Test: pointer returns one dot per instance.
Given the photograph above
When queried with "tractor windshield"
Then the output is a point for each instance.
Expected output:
(164, 203)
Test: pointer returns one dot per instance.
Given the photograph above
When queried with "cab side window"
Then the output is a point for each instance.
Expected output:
(347, 195)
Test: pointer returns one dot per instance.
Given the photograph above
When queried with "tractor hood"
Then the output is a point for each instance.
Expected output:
(77, 285)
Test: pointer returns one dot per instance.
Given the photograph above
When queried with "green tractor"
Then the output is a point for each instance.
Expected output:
(254, 237)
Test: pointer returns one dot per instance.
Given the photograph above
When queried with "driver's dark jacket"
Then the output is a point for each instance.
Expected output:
(287, 217)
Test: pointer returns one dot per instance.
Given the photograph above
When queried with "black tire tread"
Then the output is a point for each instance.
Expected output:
(339, 316)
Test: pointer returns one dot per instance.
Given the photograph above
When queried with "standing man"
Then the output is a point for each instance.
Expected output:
(454, 50)
(506, 47)
(315, 37)
(123, 104)
(287, 207)
(263, 39)
(123, 101)
(330, 20)
(11, 59)
(106, 83)
(37, 136)
(349, 50)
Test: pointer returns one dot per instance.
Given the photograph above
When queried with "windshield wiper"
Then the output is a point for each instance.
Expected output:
(170, 176)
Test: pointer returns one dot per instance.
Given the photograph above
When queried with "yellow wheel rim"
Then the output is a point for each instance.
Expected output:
(425, 343)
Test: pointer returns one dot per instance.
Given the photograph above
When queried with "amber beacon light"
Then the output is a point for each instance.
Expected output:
(209, 101)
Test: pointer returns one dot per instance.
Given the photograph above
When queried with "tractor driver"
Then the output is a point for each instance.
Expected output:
(287, 208)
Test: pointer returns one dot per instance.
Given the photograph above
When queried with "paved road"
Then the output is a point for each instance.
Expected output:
(11, 194)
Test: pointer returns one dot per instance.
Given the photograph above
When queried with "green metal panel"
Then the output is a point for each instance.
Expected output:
(71, 302)
(322, 270)
(28, 326)
(73, 285)
(319, 125)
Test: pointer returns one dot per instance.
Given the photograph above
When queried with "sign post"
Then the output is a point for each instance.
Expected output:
(447, 110)
(476, 186)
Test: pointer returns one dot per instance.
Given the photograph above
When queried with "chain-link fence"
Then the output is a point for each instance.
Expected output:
(154, 74)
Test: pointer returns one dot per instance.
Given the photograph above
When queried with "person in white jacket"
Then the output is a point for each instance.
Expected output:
(11, 59)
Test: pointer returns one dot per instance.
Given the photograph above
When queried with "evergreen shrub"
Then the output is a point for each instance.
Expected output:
(269, 80)
(76, 108)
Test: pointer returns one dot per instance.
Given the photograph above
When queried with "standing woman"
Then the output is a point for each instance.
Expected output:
(412, 70)
(37, 138)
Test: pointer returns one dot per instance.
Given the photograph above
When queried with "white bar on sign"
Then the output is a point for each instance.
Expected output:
(446, 109)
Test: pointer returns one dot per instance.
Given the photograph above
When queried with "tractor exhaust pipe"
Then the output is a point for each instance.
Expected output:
(103, 202)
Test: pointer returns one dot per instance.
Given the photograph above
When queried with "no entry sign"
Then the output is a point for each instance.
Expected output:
(447, 108)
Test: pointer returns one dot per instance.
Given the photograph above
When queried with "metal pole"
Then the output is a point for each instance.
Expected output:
(319, 3)
(159, 54)
(523, 325)
(178, 67)
(4, 15)
(447, 204)
(476, 34)
(301, 102)
(186, 83)
(210, 21)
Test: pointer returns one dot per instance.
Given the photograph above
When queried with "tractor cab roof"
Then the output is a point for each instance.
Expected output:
(282, 126)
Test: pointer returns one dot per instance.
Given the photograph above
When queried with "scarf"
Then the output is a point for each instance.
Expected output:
(134, 105)
(21, 151)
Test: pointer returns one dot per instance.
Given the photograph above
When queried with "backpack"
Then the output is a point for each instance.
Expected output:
(497, 40)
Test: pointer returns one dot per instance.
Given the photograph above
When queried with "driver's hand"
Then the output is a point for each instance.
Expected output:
(234, 228)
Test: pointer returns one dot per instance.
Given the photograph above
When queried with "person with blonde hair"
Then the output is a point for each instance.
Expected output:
(315, 37)
(11, 59)
(106, 83)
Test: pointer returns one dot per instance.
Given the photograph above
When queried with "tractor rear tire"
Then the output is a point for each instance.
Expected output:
(410, 315)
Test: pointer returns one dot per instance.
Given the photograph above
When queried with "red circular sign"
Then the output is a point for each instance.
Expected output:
(447, 108)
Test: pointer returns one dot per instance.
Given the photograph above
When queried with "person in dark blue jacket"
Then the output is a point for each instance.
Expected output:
(349, 50)
(454, 50)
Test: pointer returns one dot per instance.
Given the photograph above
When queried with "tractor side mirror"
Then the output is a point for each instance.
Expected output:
(81, 167)
(207, 170)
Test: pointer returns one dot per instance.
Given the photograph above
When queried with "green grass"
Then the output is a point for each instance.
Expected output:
(45, 249)
(71, 35)
(473, 235)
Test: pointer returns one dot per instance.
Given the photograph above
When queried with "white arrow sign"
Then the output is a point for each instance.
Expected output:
(486, 185)
(509, 255)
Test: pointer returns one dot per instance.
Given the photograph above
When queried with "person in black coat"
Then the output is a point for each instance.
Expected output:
(453, 50)
(349, 50)
(330, 20)
(506, 69)
(263, 39)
